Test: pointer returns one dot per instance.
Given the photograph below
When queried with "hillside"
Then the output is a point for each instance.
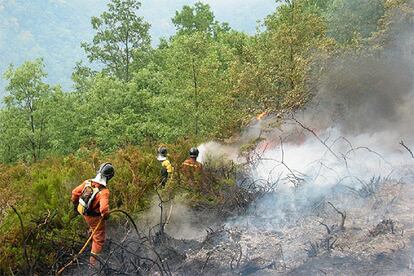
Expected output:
(216, 151)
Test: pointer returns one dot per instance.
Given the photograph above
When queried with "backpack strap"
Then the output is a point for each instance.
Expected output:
(89, 212)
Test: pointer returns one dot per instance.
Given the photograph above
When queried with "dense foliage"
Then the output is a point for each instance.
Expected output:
(205, 82)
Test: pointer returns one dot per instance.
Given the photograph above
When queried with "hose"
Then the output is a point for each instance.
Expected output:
(82, 249)
(91, 235)
(130, 219)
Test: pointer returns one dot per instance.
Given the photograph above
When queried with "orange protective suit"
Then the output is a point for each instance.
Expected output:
(192, 172)
(100, 205)
(192, 165)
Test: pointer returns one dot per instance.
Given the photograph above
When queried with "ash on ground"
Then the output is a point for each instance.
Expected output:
(345, 232)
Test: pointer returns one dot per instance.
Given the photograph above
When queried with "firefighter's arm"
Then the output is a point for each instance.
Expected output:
(76, 193)
(164, 176)
(168, 166)
(184, 168)
(104, 203)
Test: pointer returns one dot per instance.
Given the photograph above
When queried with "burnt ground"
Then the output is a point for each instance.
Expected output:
(376, 238)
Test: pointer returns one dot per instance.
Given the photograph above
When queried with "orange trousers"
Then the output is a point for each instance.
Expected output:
(98, 238)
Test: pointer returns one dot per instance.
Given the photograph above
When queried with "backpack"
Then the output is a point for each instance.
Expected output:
(86, 199)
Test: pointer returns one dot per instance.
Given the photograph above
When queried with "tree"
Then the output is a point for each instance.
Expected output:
(350, 19)
(120, 34)
(197, 18)
(397, 23)
(81, 76)
(24, 129)
(195, 101)
(275, 73)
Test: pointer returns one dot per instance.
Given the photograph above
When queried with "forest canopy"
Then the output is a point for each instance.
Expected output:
(205, 82)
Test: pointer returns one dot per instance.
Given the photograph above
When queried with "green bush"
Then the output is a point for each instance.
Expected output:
(41, 192)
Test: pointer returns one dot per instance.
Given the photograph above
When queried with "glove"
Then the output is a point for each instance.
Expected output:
(75, 213)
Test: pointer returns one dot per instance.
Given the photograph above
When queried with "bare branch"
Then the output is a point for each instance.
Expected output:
(296, 180)
(407, 148)
(317, 137)
(29, 267)
(343, 216)
(209, 254)
(328, 229)
(369, 150)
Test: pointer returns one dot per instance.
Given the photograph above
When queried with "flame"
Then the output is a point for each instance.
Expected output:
(261, 115)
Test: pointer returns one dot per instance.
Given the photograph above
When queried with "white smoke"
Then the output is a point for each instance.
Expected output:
(349, 136)
(217, 150)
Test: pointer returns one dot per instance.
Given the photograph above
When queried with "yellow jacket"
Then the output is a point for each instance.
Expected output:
(166, 171)
(167, 165)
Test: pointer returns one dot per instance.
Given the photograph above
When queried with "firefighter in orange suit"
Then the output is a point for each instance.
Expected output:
(99, 206)
(192, 169)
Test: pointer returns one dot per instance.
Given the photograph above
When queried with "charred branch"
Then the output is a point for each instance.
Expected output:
(209, 254)
(317, 137)
(343, 216)
(328, 229)
(407, 148)
(163, 221)
(296, 180)
(369, 150)
(26, 256)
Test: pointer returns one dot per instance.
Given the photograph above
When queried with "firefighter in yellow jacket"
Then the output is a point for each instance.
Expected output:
(166, 168)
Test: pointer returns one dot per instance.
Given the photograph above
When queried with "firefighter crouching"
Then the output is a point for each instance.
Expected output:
(91, 199)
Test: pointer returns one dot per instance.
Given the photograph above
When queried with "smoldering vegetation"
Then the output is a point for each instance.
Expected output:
(324, 191)
(329, 191)
(299, 231)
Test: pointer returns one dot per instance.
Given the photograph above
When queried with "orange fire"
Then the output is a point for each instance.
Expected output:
(261, 115)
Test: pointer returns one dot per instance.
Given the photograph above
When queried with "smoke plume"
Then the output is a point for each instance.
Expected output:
(347, 137)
